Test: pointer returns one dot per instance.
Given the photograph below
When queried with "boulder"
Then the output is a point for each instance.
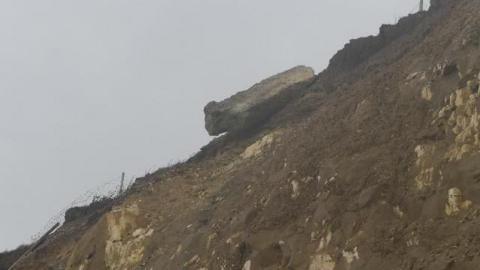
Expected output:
(250, 107)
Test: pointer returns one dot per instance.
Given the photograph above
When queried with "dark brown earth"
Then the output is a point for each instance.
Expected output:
(8, 258)
(354, 173)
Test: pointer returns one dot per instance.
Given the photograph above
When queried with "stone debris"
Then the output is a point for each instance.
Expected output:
(212, 237)
(322, 262)
(325, 241)
(177, 252)
(314, 236)
(233, 238)
(351, 256)
(142, 233)
(427, 92)
(398, 212)
(444, 69)
(424, 164)
(456, 202)
(249, 190)
(416, 76)
(413, 241)
(247, 265)
(194, 260)
(411, 76)
(295, 189)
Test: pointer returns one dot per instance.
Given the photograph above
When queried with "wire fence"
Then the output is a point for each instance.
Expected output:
(108, 190)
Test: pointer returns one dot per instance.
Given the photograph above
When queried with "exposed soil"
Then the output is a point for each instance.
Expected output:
(357, 171)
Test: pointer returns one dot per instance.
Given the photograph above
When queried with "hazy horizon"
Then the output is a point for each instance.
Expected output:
(89, 89)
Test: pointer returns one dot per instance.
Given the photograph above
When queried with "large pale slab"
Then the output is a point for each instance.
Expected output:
(248, 107)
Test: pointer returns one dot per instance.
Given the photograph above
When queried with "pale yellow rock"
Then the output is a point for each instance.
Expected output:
(314, 236)
(461, 97)
(247, 265)
(398, 212)
(123, 255)
(427, 93)
(471, 106)
(256, 149)
(124, 248)
(179, 249)
(194, 260)
(416, 76)
(465, 149)
(413, 241)
(444, 111)
(233, 238)
(325, 241)
(475, 121)
(455, 202)
(412, 76)
(351, 256)
(120, 219)
(295, 189)
(424, 164)
(471, 85)
(177, 252)
(139, 232)
(464, 120)
(424, 153)
(210, 239)
(425, 178)
(322, 262)
(465, 135)
(452, 120)
(452, 98)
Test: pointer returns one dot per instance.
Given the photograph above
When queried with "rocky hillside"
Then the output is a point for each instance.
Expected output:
(372, 164)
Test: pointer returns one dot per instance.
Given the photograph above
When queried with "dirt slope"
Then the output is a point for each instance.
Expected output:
(374, 165)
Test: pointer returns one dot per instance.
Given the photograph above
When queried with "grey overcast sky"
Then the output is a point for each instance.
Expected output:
(91, 88)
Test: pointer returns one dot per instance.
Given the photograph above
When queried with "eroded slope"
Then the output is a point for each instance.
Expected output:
(376, 167)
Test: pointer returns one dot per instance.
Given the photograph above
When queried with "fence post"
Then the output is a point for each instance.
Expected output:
(122, 183)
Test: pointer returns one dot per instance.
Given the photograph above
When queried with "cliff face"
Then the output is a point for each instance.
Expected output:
(375, 165)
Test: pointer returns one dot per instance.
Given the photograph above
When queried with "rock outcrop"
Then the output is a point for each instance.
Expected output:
(250, 107)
